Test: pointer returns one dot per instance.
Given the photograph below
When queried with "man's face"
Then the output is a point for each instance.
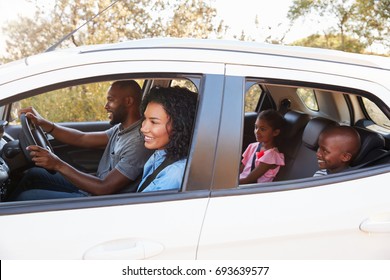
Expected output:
(331, 153)
(115, 105)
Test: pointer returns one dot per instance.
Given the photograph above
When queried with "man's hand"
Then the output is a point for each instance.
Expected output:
(44, 158)
(36, 118)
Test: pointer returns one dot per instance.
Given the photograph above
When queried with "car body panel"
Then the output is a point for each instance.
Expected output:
(319, 222)
(106, 232)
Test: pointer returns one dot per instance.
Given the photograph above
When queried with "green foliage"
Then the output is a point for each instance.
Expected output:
(125, 20)
(363, 21)
(74, 104)
(252, 97)
(331, 41)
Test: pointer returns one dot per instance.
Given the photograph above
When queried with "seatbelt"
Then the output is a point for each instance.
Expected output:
(151, 177)
(254, 156)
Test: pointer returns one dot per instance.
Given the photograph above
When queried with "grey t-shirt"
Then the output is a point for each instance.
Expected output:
(125, 152)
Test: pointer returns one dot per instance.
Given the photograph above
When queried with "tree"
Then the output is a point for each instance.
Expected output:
(373, 21)
(124, 20)
(363, 20)
(331, 41)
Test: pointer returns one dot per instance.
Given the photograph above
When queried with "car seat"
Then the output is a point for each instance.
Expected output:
(291, 142)
(249, 127)
(372, 146)
(305, 163)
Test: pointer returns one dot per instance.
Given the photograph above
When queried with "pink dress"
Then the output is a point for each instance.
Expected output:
(271, 156)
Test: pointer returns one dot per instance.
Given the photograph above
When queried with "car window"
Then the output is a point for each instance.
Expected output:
(375, 114)
(252, 97)
(184, 83)
(329, 106)
(308, 98)
(81, 107)
(79, 103)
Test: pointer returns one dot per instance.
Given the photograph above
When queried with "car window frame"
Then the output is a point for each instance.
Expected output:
(231, 181)
(194, 185)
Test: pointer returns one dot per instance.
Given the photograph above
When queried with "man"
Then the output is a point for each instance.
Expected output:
(120, 166)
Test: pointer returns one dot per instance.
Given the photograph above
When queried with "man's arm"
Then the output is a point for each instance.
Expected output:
(67, 135)
(112, 183)
(78, 138)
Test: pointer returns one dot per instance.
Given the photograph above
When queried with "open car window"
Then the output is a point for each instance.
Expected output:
(81, 107)
(310, 110)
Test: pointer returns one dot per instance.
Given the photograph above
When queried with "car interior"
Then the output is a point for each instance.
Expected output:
(13, 140)
(304, 123)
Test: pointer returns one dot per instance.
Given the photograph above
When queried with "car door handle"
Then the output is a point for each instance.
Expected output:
(124, 249)
(379, 224)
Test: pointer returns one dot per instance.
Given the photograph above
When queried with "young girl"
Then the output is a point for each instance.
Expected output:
(168, 115)
(262, 159)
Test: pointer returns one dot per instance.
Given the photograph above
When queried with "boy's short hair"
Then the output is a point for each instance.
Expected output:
(351, 138)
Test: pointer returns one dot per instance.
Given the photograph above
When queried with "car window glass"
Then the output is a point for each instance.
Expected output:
(252, 97)
(80, 103)
(308, 98)
(375, 113)
(184, 83)
(2, 108)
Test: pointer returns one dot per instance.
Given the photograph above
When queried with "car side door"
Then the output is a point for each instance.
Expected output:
(342, 217)
(158, 225)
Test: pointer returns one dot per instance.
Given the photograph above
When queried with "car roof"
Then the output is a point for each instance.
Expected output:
(248, 47)
(182, 49)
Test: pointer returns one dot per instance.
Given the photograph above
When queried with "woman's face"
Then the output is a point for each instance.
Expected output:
(156, 127)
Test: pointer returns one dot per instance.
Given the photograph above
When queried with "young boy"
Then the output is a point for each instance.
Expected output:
(337, 147)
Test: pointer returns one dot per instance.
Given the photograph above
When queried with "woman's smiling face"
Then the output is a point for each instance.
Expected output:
(156, 127)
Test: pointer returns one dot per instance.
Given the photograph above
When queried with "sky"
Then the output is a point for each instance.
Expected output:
(238, 15)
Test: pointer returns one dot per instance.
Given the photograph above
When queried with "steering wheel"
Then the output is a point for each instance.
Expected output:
(32, 135)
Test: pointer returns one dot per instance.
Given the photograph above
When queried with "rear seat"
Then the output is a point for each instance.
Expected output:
(292, 135)
(372, 146)
(301, 143)
(304, 164)
(249, 128)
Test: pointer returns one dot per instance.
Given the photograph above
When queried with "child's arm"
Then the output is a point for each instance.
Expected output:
(257, 173)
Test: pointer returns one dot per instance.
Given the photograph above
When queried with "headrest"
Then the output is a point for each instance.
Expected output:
(313, 130)
(369, 140)
(295, 122)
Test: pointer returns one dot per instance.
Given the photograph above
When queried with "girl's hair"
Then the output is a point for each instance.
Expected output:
(275, 120)
(180, 105)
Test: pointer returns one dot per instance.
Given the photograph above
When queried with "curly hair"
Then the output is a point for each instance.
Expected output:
(180, 105)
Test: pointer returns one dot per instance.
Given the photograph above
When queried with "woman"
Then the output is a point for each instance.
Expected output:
(168, 118)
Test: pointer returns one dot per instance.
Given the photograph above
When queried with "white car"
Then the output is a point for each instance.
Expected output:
(297, 216)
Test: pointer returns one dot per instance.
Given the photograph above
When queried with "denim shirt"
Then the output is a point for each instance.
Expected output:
(170, 178)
